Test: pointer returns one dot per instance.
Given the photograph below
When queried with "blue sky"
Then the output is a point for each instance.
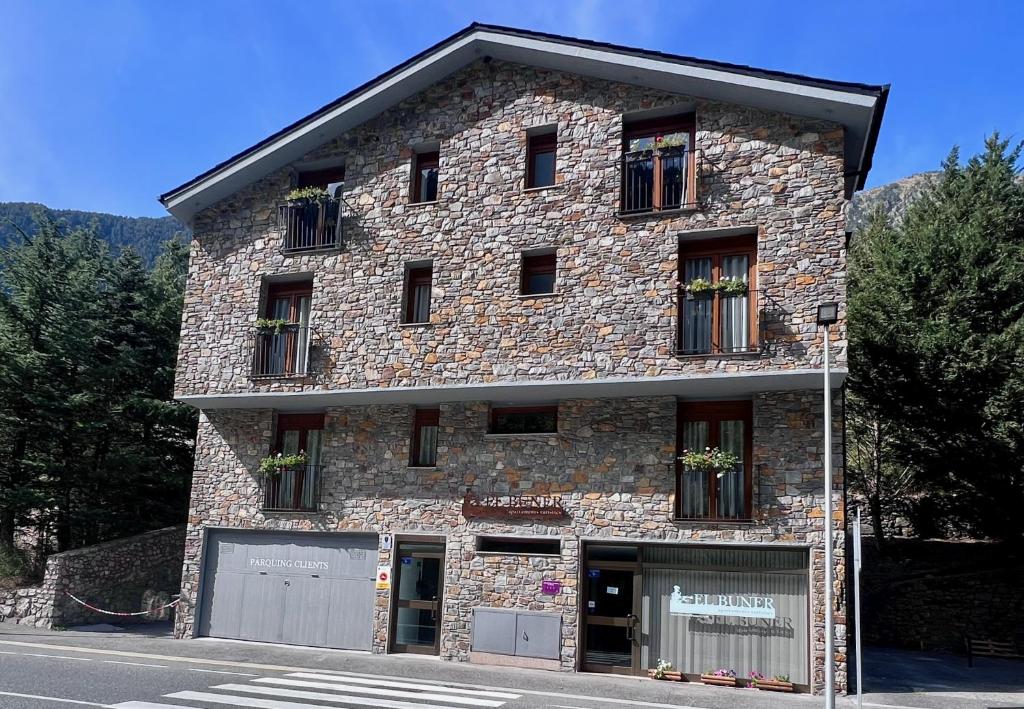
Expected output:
(104, 104)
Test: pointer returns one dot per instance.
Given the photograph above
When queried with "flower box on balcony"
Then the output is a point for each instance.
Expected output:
(311, 221)
(669, 675)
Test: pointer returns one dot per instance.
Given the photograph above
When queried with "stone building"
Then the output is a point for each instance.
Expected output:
(510, 355)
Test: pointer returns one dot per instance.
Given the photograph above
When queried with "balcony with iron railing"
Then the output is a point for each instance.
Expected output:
(310, 225)
(281, 351)
(659, 180)
(717, 323)
(292, 489)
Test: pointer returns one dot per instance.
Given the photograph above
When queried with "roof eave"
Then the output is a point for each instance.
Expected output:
(853, 105)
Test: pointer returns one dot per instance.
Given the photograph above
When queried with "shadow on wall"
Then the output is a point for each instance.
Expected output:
(930, 594)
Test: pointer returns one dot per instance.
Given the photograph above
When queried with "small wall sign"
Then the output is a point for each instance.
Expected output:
(612, 590)
(551, 588)
(386, 542)
(594, 573)
(383, 578)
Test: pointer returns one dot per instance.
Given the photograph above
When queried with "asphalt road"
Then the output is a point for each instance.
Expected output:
(51, 670)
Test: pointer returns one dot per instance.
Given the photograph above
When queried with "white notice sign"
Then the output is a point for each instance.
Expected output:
(721, 604)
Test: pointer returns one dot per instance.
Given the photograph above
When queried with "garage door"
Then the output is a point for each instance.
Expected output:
(300, 589)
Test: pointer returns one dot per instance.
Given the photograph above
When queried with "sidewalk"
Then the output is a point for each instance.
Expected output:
(580, 691)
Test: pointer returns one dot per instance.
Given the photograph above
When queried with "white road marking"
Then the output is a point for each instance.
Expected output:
(57, 699)
(147, 705)
(224, 672)
(380, 692)
(404, 685)
(39, 654)
(255, 702)
(134, 664)
(325, 697)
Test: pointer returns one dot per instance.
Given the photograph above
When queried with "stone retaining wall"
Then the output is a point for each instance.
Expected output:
(127, 575)
(929, 594)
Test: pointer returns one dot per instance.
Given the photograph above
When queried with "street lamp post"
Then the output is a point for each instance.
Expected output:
(828, 314)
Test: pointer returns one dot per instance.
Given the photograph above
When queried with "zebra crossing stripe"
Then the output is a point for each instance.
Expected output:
(404, 685)
(381, 692)
(258, 703)
(148, 705)
(325, 697)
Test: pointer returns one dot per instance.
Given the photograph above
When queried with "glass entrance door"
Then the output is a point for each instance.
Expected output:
(611, 611)
(416, 605)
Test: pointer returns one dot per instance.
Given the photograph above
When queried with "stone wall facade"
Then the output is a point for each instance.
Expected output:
(611, 464)
(615, 310)
(128, 575)
(614, 314)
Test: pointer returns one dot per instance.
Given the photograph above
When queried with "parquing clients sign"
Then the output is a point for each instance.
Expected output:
(302, 564)
(721, 604)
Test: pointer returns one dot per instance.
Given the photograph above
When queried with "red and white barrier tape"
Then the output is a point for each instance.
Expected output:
(100, 610)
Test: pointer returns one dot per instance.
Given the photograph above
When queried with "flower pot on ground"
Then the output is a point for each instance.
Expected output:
(666, 671)
(779, 683)
(719, 678)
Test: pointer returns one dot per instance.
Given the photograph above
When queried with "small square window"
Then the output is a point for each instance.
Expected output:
(524, 420)
(425, 172)
(518, 546)
(540, 160)
(417, 295)
(424, 438)
(538, 274)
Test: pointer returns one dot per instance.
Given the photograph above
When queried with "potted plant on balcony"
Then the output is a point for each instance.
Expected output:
(729, 286)
(669, 143)
(265, 326)
(720, 677)
(303, 196)
(699, 288)
(665, 671)
(274, 464)
(710, 459)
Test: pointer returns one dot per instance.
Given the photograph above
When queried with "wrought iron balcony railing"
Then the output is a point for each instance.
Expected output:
(311, 225)
(281, 351)
(659, 180)
(719, 323)
(292, 489)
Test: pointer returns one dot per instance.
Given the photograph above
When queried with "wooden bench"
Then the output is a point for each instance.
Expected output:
(983, 647)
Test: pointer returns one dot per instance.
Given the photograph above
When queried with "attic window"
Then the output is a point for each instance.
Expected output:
(425, 173)
(330, 179)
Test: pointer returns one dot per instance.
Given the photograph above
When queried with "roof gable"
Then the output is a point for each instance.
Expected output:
(858, 107)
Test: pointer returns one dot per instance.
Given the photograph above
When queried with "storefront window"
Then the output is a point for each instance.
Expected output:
(739, 609)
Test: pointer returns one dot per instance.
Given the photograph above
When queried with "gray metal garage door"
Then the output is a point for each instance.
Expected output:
(300, 589)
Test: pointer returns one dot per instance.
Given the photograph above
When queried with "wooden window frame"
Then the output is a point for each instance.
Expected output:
(421, 418)
(416, 276)
(714, 412)
(295, 291)
(655, 126)
(425, 160)
(715, 249)
(320, 178)
(538, 264)
(538, 145)
(303, 423)
(497, 412)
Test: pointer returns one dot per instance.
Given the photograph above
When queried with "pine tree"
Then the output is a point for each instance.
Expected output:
(937, 343)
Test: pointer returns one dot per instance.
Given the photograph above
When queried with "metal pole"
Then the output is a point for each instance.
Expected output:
(856, 609)
(830, 694)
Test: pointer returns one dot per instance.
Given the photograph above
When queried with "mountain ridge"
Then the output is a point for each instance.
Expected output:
(145, 235)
